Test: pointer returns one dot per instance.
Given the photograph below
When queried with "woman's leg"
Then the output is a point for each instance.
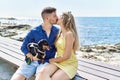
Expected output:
(46, 72)
(60, 75)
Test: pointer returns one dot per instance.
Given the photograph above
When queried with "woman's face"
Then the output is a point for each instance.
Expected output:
(60, 19)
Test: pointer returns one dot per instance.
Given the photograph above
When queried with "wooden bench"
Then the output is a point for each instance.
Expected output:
(88, 69)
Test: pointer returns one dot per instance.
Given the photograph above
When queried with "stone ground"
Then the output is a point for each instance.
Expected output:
(6, 70)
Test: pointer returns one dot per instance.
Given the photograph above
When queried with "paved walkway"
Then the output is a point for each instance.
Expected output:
(6, 70)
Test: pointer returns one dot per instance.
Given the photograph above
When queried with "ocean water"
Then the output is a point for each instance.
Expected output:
(98, 30)
(91, 30)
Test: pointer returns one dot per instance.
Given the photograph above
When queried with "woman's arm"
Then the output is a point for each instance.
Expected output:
(69, 40)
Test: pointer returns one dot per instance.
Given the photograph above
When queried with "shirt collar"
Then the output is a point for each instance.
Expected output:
(41, 29)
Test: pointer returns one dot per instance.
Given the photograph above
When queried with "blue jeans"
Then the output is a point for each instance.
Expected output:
(29, 70)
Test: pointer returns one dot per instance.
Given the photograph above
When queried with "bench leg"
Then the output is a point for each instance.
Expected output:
(78, 77)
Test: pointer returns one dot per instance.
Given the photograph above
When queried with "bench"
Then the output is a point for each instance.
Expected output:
(87, 70)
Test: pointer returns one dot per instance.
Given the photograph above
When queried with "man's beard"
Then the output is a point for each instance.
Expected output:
(54, 22)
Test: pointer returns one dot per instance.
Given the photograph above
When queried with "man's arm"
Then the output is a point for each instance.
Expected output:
(29, 38)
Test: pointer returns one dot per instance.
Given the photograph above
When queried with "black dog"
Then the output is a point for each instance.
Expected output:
(39, 49)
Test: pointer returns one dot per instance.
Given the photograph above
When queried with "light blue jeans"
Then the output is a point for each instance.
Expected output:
(29, 70)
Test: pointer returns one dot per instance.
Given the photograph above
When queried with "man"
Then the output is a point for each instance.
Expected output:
(44, 31)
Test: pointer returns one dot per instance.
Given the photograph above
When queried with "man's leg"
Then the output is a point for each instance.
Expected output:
(18, 77)
(25, 71)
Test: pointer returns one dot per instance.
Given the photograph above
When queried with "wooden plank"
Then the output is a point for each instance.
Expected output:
(18, 43)
(11, 59)
(101, 64)
(89, 76)
(9, 47)
(101, 69)
(8, 52)
(12, 40)
(10, 44)
(97, 73)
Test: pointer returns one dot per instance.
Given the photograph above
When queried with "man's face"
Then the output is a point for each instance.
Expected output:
(53, 18)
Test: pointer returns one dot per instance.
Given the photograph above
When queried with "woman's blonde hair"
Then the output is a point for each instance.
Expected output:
(69, 24)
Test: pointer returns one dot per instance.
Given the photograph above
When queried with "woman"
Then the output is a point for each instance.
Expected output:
(64, 66)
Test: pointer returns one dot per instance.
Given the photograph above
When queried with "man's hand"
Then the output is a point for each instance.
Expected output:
(35, 57)
(29, 55)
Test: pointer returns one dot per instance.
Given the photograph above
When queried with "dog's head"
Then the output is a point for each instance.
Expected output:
(32, 48)
(43, 45)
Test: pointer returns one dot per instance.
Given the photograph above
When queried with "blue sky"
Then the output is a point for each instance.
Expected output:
(32, 8)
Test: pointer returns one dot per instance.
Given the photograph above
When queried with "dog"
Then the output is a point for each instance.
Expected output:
(38, 49)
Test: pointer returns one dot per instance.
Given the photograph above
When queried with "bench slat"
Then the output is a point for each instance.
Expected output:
(89, 76)
(101, 64)
(8, 52)
(15, 42)
(11, 59)
(9, 47)
(101, 69)
(9, 44)
(97, 73)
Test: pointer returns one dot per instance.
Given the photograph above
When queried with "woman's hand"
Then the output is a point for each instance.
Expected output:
(51, 60)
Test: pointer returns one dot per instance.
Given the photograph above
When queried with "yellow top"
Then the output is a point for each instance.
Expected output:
(69, 66)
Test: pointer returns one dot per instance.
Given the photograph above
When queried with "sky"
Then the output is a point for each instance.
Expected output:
(82, 8)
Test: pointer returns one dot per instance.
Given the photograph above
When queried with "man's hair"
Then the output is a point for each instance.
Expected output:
(47, 10)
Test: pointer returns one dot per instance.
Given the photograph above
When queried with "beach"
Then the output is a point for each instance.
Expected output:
(94, 46)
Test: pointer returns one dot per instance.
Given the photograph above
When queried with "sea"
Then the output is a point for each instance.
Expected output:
(91, 30)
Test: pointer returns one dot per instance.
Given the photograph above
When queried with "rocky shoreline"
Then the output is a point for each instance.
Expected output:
(16, 32)
(109, 53)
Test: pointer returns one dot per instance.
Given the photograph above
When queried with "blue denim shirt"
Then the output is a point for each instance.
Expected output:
(36, 34)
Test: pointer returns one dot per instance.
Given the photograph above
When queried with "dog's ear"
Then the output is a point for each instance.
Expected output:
(28, 47)
(40, 44)
(45, 42)
(31, 45)
(35, 44)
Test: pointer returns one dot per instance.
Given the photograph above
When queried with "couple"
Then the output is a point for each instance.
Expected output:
(64, 41)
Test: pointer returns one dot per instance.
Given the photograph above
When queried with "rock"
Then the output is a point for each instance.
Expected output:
(14, 31)
(21, 35)
(112, 50)
(98, 51)
(8, 34)
(117, 46)
(100, 47)
(19, 26)
(100, 58)
(85, 49)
